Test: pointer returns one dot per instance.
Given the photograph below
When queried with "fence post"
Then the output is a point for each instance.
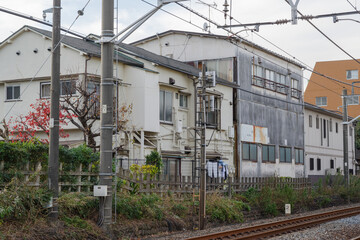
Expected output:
(229, 186)
(88, 188)
(79, 170)
(60, 182)
(27, 169)
(38, 170)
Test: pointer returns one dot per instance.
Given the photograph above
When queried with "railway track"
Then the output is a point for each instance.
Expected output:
(281, 227)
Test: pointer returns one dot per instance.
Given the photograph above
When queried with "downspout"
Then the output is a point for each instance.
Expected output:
(85, 87)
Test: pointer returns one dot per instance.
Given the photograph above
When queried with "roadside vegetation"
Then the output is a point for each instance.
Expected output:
(23, 208)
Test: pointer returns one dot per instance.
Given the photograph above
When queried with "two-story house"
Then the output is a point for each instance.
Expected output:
(268, 104)
(160, 90)
(324, 154)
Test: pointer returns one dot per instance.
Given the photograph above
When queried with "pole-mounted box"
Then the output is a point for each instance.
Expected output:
(100, 191)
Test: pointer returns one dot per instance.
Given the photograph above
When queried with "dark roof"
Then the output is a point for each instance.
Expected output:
(323, 110)
(87, 46)
(161, 60)
(92, 48)
(231, 39)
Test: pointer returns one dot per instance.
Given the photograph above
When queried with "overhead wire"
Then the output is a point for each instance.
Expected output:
(47, 58)
(326, 36)
(307, 67)
(353, 6)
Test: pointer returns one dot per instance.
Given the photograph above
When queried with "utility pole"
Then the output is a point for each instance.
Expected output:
(53, 167)
(345, 139)
(106, 117)
(202, 212)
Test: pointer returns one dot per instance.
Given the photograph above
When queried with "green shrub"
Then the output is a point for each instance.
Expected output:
(76, 222)
(21, 202)
(179, 209)
(77, 204)
(224, 209)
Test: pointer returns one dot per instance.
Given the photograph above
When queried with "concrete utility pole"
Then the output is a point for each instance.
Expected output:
(202, 212)
(106, 117)
(53, 167)
(345, 139)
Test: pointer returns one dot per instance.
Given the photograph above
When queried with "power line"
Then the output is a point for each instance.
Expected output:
(308, 68)
(353, 6)
(47, 58)
(174, 15)
(231, 32)
(327, 37)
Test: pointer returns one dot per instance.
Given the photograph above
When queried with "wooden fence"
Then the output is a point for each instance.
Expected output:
(162, 184)
(82, 178)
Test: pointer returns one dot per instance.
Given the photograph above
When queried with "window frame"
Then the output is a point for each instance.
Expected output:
(163, 118)
(321, 103)
(299, 156)
(351, 98)
(41, 89)
(249, 151)
(12, 93)
(268, 153)
(216, 112)
(72, 84)
(287, 153)
(312, 164)
(318, 164)
(332, 164)
(184, 97)
(310, 121)
(351, 77)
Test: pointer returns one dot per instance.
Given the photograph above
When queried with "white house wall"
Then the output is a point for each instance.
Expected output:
(314, 149)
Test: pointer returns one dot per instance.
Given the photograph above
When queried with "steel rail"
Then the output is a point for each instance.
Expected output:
(280, 227)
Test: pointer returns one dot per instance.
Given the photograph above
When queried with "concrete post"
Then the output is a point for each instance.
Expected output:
(53, 167)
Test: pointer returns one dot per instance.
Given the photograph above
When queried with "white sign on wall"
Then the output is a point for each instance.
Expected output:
(251, 133)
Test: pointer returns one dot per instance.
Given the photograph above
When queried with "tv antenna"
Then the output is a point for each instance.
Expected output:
(206, 26)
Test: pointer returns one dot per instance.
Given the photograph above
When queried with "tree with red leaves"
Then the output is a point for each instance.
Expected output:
(24, 127)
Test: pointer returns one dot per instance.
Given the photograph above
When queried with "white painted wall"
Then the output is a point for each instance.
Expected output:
(314, 149)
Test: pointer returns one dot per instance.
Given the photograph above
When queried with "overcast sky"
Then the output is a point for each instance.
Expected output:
(301, 41)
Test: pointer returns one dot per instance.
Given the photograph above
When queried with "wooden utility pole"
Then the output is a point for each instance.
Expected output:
(53, 167)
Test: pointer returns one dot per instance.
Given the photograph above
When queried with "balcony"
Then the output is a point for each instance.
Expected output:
(270, 85)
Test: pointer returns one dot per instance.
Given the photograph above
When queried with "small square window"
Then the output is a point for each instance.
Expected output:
(45, 89)
(352, 100)
(352, 74)
(67, 87)
(321, 101)
(12, 92)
